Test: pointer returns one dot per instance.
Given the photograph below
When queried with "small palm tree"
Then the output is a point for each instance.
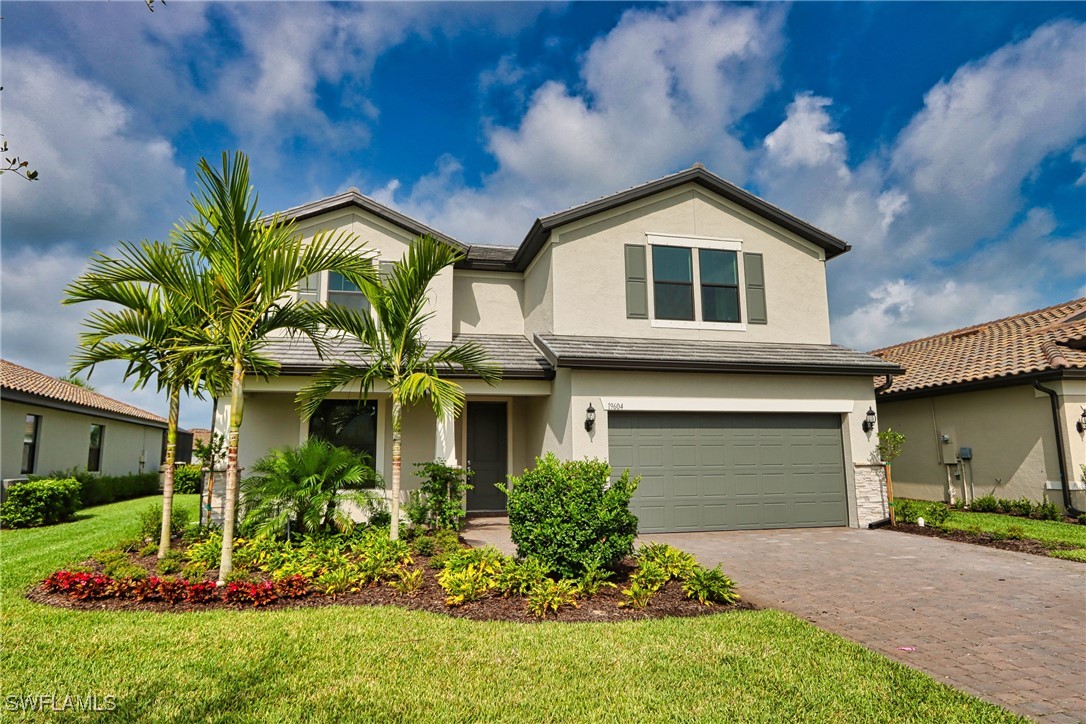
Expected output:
(143, 331)
(396, 353)
(249, 267)
(298, 490)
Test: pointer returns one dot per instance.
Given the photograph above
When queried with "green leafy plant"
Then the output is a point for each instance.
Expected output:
(34, 503)
(194, 572)
(677, 564)
(571, 513)
(206, 552)
(548, 595)
(151, 522)
(172, 562)
(187, 479)
(336, 582)
(441, 494)
(1022, 507)
(1015, 532)
(407, 581)
(148, 549)
(424, 545)
(517, 578)
(985, 504)
(594, 579)
(637, 595)
(710, 585)
(650, 576)
(296, 491)
(890, 445)
(1049, 511)
(466, 584)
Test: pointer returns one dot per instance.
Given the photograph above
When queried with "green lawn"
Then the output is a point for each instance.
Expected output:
(388, 664)
(1046, 531)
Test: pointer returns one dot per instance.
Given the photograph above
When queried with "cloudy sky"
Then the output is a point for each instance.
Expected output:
(945, 141)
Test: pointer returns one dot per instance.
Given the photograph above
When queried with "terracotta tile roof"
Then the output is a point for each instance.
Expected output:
(1043, 340)
(22, 379)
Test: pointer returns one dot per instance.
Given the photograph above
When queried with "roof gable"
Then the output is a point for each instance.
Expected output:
(1044, 340)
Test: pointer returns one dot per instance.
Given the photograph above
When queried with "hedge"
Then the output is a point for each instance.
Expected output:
(40, 502)
(101, 489)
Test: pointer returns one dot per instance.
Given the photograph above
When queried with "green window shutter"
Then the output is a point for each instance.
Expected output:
(385, 269)
(637, 299)
(309, 289)
(755, 273)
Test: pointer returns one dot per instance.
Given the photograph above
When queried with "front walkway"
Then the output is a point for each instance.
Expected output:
(1008, 627)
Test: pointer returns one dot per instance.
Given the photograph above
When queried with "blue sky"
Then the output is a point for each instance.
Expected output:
(945, 141)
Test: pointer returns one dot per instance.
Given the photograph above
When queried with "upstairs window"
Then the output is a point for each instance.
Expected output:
(345, 293)
(672, 283)
(695, 282)
(719, 285)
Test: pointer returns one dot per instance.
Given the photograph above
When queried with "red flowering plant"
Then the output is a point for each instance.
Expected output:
(203, 592)
(292, 587)
(78, 586)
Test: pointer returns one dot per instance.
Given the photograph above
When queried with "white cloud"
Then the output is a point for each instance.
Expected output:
(662, 90)
(100, 174)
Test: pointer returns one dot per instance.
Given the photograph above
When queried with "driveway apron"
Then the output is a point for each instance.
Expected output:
(1008, 627)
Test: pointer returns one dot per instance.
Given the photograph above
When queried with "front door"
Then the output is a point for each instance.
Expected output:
(487, 455)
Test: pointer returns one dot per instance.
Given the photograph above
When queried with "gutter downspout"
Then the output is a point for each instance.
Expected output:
(882, 388)
(1060, 455)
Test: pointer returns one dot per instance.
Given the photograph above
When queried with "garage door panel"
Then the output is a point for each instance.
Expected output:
(745, 471)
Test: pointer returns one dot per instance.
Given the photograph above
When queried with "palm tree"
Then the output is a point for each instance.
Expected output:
(396, 353)
(142, 331)
(297, 490)
(249, 267)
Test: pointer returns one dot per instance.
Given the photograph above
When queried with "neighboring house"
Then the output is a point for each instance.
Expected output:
(200, 435)
(975, 416)
(679, 328)
(49, 425)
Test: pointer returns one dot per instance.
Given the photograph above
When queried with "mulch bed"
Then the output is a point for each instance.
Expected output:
(1033, 547)
(603, 607)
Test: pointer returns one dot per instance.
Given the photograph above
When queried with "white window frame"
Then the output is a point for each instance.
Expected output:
(694, 243)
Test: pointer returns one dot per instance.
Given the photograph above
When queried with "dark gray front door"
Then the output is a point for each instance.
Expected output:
(487, 455)
(731, 471)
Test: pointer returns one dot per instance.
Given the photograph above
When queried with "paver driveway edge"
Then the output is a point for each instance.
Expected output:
(1009, 627)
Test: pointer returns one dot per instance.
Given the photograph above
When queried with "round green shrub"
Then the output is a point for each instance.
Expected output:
(40, 502)
(571, 514)
(187, 479)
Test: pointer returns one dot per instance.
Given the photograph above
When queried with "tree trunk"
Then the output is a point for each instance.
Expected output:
(231, 503)
(397, 429)
(167, 478)
(890, 495)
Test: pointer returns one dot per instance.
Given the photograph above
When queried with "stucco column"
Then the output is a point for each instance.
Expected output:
(445, 441)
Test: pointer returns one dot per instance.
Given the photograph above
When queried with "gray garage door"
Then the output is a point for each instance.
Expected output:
(731, 471)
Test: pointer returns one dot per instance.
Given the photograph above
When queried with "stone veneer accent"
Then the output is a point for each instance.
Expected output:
(870, 493)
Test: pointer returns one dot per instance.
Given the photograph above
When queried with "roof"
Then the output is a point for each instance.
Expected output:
(518, 358)
(1049, 340)
(354, 198)
(517, 258)
(30, 386)
(697, 174)
(613, 353)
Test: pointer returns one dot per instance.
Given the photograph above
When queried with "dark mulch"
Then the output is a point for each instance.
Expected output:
(1026, 545)
(603, 607)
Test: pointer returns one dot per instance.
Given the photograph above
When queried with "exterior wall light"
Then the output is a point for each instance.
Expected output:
(869, 421)
(589, 418)
(1081, 424)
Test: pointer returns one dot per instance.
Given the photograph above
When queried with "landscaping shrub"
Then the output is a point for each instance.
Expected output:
(1049, 511)
(594, 579)
(548, 595)
(518, 578)
(675, 563)
(172, 562)
(439, 501)
(187, 479)
(570, 514)
(1022, 507)
(40, 502)
(100, 489)
(207, 552)
(466, 584)
(909, 511)
(424, 545)
(637, 595)
(297, 491)
(151, 522)
(407, 582)
(985, 504)
(710, 585)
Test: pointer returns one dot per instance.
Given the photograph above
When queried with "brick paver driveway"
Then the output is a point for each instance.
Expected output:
(1009, 627)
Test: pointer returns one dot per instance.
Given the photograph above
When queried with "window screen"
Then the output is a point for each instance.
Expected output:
(719, 285)
(672, 283)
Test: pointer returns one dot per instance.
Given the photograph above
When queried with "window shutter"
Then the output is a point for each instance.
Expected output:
(385, 269)
(637, 299)
(310, 289)
(755, 273)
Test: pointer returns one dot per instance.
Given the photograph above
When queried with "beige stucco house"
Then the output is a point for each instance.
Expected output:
(994, 409)
(679, 328)
(47, 425)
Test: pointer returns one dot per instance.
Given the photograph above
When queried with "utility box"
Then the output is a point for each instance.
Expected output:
(965, 453)
(948, 446)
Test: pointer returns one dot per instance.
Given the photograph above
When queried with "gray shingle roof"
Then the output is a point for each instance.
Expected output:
(517, 356)
(708, 356)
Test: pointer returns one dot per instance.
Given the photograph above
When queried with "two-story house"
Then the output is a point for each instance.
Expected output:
(679, 329)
